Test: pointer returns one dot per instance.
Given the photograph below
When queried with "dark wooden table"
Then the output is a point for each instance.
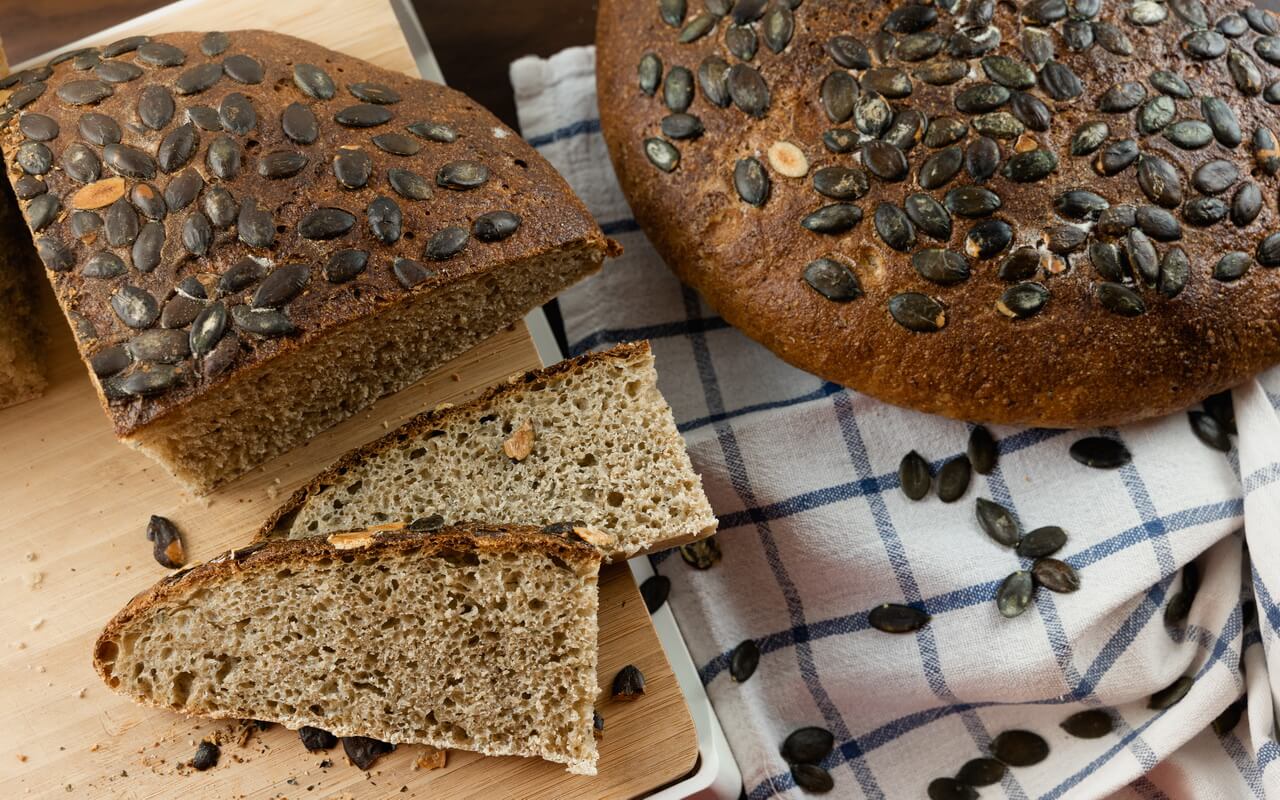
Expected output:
(474, 40)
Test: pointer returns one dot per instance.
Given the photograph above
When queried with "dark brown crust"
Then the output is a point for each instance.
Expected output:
(1073, 365)
(553, 219)
(269, 555)
(436, 417)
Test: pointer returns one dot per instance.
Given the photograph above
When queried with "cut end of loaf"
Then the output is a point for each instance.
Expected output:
(286, 401)
(593, 439)
(480, 639)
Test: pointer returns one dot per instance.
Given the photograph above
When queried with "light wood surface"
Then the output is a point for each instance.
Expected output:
(73, 510)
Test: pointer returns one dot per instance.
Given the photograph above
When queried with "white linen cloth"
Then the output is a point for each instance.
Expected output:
(815, 532)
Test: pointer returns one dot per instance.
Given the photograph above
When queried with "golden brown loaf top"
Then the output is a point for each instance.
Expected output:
(206, 202)
(1051, 212)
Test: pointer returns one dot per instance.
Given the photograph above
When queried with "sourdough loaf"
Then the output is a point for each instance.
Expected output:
(256, 237)
(22, 369)
(478, 638)
(1049, 212)
(588, 442)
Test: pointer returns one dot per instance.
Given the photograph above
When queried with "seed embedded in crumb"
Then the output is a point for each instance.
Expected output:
(788, 160)
(520, 444)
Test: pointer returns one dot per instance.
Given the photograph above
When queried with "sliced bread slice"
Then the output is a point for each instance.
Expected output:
(589, 441)
(478, 638)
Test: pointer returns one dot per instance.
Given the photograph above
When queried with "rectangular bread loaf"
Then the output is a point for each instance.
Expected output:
(588, 442)
(477, 638)
(255, 237)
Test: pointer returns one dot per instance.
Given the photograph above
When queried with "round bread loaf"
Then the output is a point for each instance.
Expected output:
(1052, 212)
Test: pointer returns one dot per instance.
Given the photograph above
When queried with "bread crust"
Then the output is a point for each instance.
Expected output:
(434, 418)
(552, 219)
(1072, 365)
(388, 539)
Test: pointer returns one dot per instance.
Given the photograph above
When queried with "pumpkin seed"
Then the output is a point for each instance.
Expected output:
(832, 280)
(42, 211)
(741, 41)
(981, 98)
(939, 168)
(872, 114)
(1078, 34)
(1227, 721)
(672, 12)
(887, 81)
(1080, 205)
(1055, 575)
(1030, 166)
(177, 148)
(838, 93)
(953, 478)
(713, 77)
(1266, 151)
(941, 71)
(982, 450)
(1122, 97)
(944, 131)
(76, 93)
(136, 307)
(409, 273)
(940, 266)
(919, 46)
(743, 661)
(1041, 542)
(35, 158)
(649, 72)
(1175, 269)
(849, 52)
(1171, 694)
(1023, 300)
(654, 591)
(1037, 46)
(917, 312)
(99, 129)
(1244, 73)
(1008, 72)
(1160, 181)
(985, 240)
(1207, 430)
(55, 255)
(1260, 20)
(1012, 598)
(104, 264)
(1059, 82)
(752, 181)
(748, 90)
(894, 227)
(1205, 211)
(1000, 124)
(446, 243)
(972, 201)
(677, 126)
(907, 129)
(968, 43)
(1117, 220)
(1142, 256)
(812, 778)
(1100, 452)
(1226, 128)
(1268, 252)
(1189, 134)
(697, 27)
(1155, 114)
(1019, 748)
(929, 216)
(1064, 239)
(1088, 137)
(997, 522)
(1246, 204)
(807, 745)
(896, 618)
(981, 772)
(1093, 723)
(1204, 45)
(223, 157)
(129, 162)
(1157, 223)
(950, 789)
(913, 475)
(1120, 299)
(677, 92)
(262, 321)
(833, 218)
(121, 223)
(491, 227)
(313, 81)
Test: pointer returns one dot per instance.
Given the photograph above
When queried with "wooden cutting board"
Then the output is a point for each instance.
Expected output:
(74, 505)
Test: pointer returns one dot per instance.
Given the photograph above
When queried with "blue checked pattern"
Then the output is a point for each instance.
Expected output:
(816, 532)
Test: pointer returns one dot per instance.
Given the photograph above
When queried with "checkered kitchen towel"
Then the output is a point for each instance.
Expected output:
(816, 532)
